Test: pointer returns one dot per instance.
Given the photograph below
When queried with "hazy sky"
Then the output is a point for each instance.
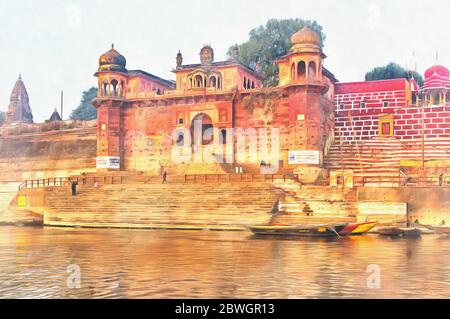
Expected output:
(55, 44)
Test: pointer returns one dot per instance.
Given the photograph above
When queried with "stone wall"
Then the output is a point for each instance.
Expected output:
(428, 205)
(34, 151)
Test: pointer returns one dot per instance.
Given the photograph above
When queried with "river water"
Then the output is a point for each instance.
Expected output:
(45, 262)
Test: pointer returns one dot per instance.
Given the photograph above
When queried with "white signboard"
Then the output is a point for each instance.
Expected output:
(108, 162)
(304, 157)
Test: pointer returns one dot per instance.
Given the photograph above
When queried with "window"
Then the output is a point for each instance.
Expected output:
(180, 119)
(341, 106)
(362, 105)
(385, 103)
(223, 136)
(180, 139)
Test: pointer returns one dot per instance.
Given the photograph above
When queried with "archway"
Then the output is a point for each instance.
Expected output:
(301, 71)
(202, 122)
(311, 71)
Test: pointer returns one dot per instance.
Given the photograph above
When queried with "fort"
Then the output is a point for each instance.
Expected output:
(234, 151)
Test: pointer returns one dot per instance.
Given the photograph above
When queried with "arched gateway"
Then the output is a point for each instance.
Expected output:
(202, 129)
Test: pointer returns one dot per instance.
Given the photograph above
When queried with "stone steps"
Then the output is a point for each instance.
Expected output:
(147, 205)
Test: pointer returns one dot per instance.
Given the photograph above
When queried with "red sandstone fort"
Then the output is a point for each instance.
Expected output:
(328, 135)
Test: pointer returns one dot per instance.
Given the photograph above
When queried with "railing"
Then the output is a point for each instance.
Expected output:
(204, 178)
(65, 181)
(410, 181)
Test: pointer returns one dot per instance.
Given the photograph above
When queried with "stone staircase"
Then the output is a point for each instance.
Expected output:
(366, 158)
(382, 156)
(155, 205)
(314, 204)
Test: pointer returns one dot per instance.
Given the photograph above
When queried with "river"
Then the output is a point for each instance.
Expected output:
(46, 262)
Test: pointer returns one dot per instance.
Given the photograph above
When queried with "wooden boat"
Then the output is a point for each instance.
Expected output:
(411, 231)
(400, 231)
(362, 228)
(348, 229)
(325, 230)
(390, 231)
(443, 229)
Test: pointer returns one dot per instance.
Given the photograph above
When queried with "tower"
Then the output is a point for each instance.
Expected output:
(19, 110)
(303, 63)
(112, 82)
(311, 105)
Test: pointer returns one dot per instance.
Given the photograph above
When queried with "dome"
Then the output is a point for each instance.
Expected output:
(112, 61)
(306, 40)
(439, 70)
(437, 77)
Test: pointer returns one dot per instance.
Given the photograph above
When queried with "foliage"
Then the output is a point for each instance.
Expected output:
(268, 43)
(85, 111)
(392, 71)
(266, 98)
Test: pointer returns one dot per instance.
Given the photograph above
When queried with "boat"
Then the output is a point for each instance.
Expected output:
(400, 231)
(390, 231)
(411, 231)
(362, 228)
(442, 229)
(325, 230)
(348, 229)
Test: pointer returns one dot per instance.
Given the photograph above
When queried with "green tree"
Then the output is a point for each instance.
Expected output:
(85, 111)
(2, 117)
(268, 43)
(392, 71)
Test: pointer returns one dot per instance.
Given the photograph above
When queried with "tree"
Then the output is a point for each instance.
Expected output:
(85, 111)
(392, 71)
(2, 117)
(268, 43)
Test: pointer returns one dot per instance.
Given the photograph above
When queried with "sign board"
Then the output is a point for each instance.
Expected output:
(108, 162)
(304, 157)
(21, 201)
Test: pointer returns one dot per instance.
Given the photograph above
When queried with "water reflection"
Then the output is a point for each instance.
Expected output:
(203, 264)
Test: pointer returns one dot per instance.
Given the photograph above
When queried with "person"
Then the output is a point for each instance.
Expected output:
(74, 188)
(164, 177)
(84, 178)
(441, 179)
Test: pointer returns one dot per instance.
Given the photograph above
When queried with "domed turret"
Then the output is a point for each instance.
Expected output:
(306, 40)
(437, 69)
(437, 76)
(112, 61)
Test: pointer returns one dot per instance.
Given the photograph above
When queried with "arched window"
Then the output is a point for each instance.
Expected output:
(122, 92)
(105, 88)
(223, 136)
(253, 84)
(212, 81)
(180, 119)
(180, 139)
(198, 81)
(245, 82)
(301, 70)
(115, 88)
(158, 91)
(293, 71)
(248, 84)
(312, 70)
(219, 83)
(223, 116)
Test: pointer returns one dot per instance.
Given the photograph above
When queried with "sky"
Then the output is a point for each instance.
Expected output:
(55, 45)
